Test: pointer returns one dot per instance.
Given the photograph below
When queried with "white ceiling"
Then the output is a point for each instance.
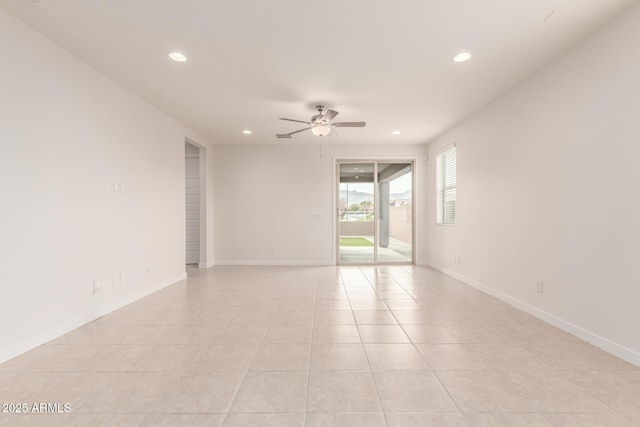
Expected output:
(388, 63)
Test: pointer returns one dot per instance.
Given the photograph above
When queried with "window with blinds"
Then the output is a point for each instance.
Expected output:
(446, 187)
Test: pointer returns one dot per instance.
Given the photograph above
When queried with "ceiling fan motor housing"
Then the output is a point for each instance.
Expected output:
(318, 119)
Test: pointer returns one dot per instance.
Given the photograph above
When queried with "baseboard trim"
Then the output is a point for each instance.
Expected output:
(605, 344)
(272, 263)
(206, 264)
(136, 296)
(57, 331)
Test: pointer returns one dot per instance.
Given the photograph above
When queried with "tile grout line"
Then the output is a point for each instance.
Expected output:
(313, 326)
(244, 377)
(425, 360)
(373, 377)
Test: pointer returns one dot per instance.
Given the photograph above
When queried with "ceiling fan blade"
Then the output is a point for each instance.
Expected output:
(349, 124)
(297, 121)
(283, 135)
(298, 131)
(330, 114)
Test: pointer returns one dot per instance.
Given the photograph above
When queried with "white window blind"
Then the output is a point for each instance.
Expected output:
(446, 187)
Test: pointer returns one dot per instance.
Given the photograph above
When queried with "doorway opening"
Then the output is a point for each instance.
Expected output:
(375, 212)
(192, 204)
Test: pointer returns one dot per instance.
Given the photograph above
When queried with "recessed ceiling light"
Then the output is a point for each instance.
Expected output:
(462, 56)
(395, 132)
(247, 132)
(177, 56)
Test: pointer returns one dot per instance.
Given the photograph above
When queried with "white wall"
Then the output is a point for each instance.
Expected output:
(548, 190)
(67, 132)
(265, 195)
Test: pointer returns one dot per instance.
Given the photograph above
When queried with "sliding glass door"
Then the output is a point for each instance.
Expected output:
(356, 213)
(375, 212)
(395, 212)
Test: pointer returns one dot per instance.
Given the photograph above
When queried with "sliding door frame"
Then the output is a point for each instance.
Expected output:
(336, 206)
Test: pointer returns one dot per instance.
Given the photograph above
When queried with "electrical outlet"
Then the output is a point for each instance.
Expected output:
(147, 269)
(96, 286)
(114, 281)
(121, 278)
(458, 259)
(453, 258)
(540, 287)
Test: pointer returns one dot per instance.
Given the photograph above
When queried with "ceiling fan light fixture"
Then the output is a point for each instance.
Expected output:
(321, 130)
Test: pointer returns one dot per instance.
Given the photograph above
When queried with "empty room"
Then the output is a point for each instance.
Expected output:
(288, 213)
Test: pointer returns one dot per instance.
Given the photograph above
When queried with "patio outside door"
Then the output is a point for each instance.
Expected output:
(375, 212)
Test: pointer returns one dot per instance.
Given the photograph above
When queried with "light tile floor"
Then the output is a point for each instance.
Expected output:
(321, 346)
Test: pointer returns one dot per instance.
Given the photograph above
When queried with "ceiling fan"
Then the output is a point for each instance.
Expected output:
(321, 123)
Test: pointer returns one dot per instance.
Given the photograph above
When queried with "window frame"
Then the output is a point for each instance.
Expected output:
(441, 189)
